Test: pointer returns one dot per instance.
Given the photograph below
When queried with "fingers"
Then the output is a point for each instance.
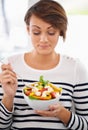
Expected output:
(6, 66)
(52, 112)
(54, 107)
(8, 75)
(46, 113)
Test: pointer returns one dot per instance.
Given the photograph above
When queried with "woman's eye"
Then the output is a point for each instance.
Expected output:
(36, 33)
(51, 33)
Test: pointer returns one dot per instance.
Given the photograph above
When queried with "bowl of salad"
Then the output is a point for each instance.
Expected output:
(39, 95)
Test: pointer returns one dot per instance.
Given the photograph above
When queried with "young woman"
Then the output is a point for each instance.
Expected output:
(45, 21)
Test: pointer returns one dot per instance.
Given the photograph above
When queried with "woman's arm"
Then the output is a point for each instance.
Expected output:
(8, 81)
(58, 111)
(5, 117)
(8, 88)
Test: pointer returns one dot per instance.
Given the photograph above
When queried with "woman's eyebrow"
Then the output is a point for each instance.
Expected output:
(36, 26)
(40, 27)
(50, 27)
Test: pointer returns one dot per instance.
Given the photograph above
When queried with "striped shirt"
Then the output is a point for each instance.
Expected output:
(70, 74)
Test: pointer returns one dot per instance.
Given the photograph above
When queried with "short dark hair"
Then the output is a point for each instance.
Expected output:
(51, 12)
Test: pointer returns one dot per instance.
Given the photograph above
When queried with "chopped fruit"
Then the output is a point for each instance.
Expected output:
(42, 90)
(53, 94)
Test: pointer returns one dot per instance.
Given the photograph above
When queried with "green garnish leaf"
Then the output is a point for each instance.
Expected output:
(44, 82)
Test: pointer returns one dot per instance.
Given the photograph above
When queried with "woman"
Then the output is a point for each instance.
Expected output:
(45, 21)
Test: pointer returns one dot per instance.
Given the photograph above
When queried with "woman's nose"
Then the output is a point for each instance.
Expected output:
(43, 38)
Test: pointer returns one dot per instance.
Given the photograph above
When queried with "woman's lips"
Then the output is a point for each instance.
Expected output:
(44, 46)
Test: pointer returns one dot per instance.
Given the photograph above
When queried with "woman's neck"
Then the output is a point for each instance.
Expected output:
(45, 62)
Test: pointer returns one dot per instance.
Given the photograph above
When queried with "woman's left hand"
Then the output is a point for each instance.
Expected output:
(53, 111)
(57, 111)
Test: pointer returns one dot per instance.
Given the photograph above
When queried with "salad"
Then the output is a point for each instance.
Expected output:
(42, 90)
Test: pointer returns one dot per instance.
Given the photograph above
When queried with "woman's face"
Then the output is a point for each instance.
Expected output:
(44, 37)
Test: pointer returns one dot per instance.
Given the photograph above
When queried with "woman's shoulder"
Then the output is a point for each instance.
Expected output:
(15, 57)
(69, 59)
(73, 62)
(11, 58)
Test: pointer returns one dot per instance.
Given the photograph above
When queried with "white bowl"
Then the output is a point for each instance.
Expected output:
(40, 104)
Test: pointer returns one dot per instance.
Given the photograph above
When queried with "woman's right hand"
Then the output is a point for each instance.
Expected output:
(8, 81)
